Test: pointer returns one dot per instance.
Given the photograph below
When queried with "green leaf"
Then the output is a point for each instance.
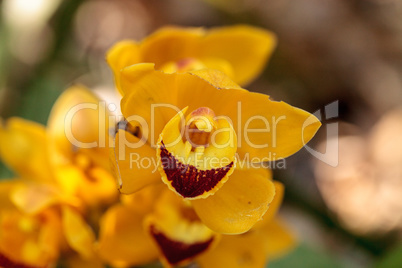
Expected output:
(5, 173)
(392, 259)
(39, 99)
(305, 256)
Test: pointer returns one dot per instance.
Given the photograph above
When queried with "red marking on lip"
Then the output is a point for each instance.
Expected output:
(7, 263)
(175, 251)
(184, 62)
(186, 179)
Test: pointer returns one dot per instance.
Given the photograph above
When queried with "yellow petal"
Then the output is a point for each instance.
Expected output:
(218, 64)
(78, 233)
(270, 242)
(230, 43)
(266, 130)
(154, 109)
(50, 236)
(143, 201)
(79, 146)
(123, 241)
(122, 54)
(134, 165)
(171, 44)
(168, 44)
(98, 187)
(270, 130)
(236, 251)
(92, 187)
(220, 49)
(177, 231)
(34, 198)
(239, 204)
(79, 123)
(217, 78)
(69, 179)
(279, 239)
(23, 146)
(252, 249)
(273, 206)
(6, 187)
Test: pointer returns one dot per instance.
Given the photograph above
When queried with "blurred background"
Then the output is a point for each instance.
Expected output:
(329, 50)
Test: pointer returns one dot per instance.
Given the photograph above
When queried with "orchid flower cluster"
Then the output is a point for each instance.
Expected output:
(180, 179)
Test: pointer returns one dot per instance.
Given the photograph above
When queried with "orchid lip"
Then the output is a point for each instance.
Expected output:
(196, 158)
(176, 251)
(187, 180)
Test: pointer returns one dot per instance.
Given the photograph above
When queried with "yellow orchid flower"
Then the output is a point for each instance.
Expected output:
(27, 240)
(64, 170)
(196, 154)
(37, 195)
(78, 145)
(72, 152)
(175, 49)
(37, 225)
(170, 224)
(168, 228)
(77, 235)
